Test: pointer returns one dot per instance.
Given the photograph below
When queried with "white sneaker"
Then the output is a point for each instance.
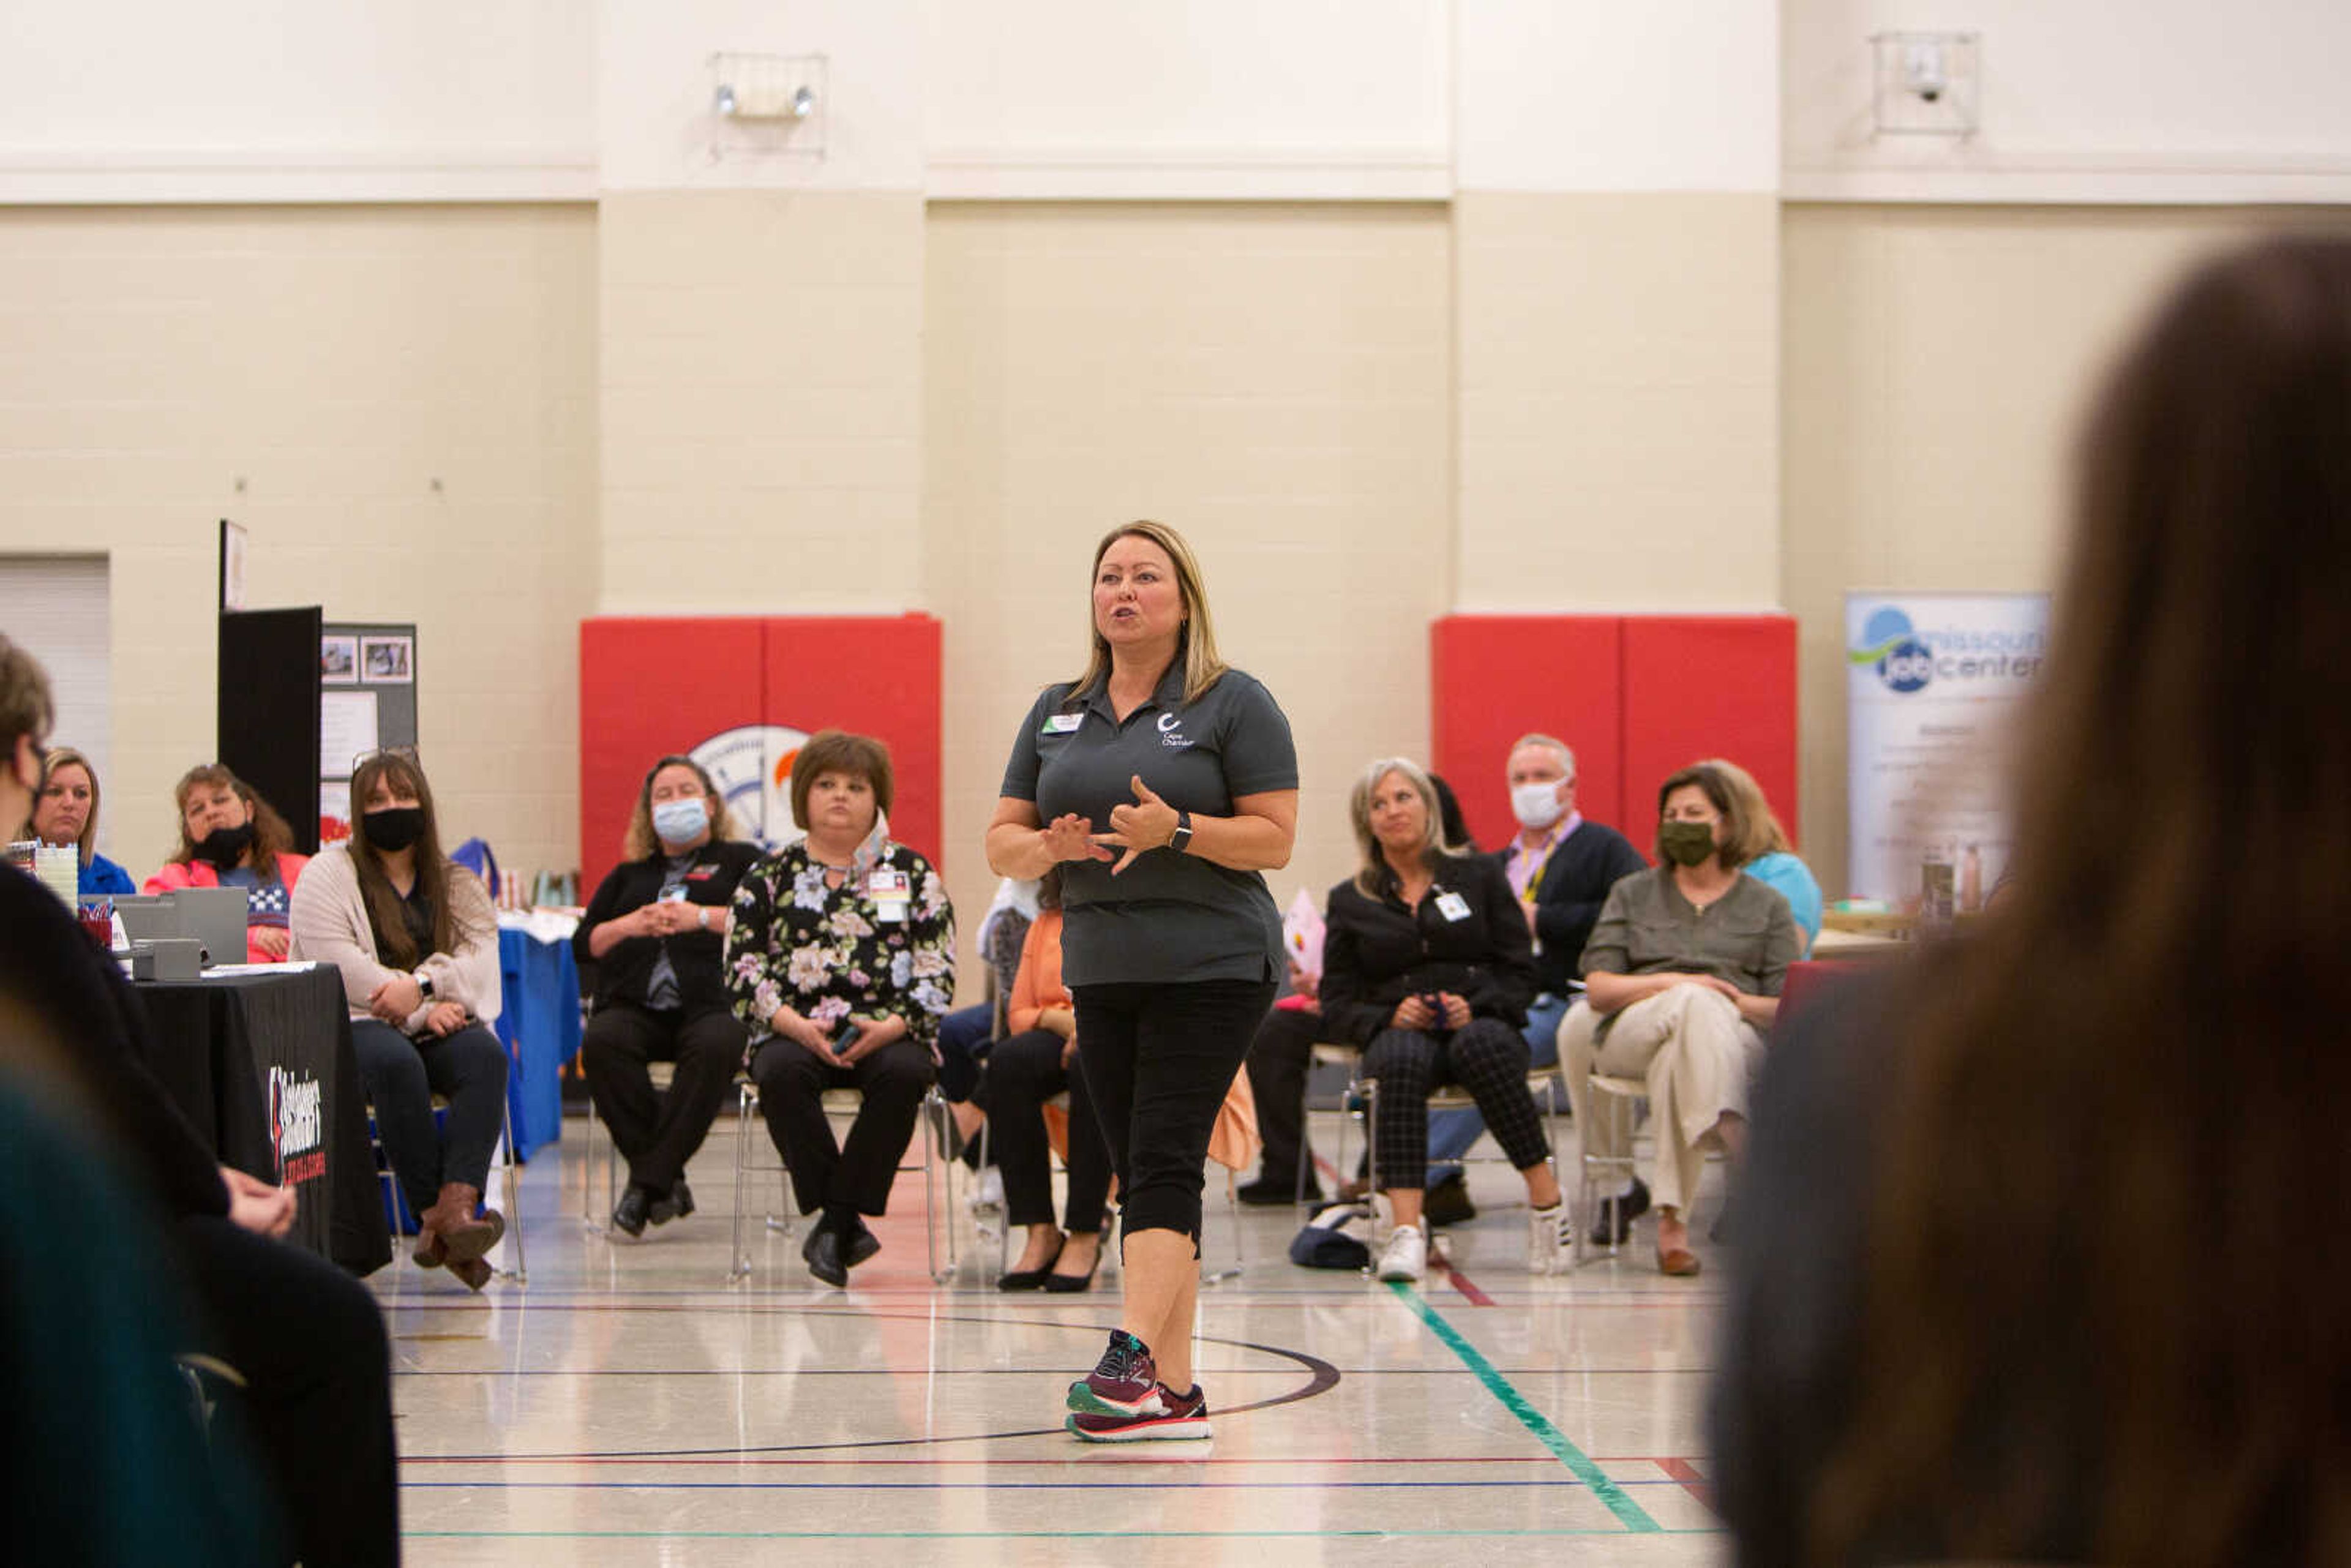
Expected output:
(1550, 1240)
(1405, 1257)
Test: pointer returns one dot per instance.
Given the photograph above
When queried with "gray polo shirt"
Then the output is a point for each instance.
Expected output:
(1748, 937)
(1167, 918)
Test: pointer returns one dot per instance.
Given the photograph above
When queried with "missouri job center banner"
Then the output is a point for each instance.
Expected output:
(1933, 682)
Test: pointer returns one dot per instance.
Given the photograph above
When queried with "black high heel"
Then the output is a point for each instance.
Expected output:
(1069, 1284)
(1030, 1278)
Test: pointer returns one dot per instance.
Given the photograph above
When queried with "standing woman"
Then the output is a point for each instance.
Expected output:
(65, 812)
(417, 942)
(1164, 783)
(840, 963)
(655, 935)
(230, 837)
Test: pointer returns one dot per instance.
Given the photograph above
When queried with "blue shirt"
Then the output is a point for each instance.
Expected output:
(101, 878)
(1795, 881)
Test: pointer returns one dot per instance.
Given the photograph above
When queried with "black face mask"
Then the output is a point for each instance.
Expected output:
(395, 828)
(223, 847)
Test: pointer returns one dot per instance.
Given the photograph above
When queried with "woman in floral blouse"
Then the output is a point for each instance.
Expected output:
(841, 961)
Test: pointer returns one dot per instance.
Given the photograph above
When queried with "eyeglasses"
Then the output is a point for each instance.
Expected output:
(405, 753)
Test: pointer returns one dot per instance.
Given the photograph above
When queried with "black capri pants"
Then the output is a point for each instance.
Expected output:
(1487, 1057)
(1159, 1059)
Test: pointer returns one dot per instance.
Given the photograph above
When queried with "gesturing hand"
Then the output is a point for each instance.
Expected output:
(1146, 825)
(1069, 837)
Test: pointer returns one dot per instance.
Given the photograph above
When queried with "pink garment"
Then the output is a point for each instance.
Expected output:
(176, 874)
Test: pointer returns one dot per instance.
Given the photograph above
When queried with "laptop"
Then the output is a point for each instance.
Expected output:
(216, 917)
(145, 917)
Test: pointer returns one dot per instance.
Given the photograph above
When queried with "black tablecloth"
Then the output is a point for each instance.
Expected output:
(263, 1065)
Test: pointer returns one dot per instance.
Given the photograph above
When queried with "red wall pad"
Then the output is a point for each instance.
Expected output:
(1708, 686)
(740, 693)
(1496, 677)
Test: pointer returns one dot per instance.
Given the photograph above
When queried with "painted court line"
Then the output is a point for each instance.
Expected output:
(1633, 1516)
(1111, 1534)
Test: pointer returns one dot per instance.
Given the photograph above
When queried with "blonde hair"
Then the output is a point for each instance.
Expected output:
(1762, 834)
(59, 756)
(1198, 639)
(1372, 875)
(640, 841)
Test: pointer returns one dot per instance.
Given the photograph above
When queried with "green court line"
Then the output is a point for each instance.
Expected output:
(1118, 1534)
(1634, 1517)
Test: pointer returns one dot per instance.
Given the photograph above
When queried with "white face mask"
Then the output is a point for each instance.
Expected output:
(1536, 805)
(680, 820)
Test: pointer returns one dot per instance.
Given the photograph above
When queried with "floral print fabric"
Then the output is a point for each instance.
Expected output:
(830, 953)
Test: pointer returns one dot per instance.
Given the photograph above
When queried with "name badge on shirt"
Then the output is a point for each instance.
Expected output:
(1453, 906)
(1062, 723)
(891, 894)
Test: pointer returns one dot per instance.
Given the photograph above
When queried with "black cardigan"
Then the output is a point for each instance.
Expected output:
(626, 969)
(1575, 881)
(1376, 952)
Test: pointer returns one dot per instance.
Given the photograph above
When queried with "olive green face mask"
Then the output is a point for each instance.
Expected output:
(1686, 844)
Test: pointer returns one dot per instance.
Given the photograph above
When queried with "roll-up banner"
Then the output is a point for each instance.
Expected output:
(1934, 682)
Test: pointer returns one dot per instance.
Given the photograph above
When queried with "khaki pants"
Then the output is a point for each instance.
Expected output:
(1694, 1052)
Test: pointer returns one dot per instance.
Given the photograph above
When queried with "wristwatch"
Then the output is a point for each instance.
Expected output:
(425, 985)
(702, 918)
(1182, 838)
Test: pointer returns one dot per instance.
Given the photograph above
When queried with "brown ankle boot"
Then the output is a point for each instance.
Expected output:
(464, 1237)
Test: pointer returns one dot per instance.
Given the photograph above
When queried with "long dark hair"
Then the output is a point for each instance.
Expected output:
(433, 868)
(2102, 1283)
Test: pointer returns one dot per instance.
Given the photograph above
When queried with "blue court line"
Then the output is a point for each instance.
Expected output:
(1633, 1516)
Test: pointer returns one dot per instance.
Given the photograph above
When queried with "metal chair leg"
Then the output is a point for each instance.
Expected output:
(521, 1272)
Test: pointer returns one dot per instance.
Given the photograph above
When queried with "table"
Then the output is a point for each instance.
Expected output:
(262, 1065)
(538, 1019)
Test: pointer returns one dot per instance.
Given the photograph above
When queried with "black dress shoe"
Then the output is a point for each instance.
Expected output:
(1272, 1192)
(820, 1224)
(1447, 1203)
(1030, 1279)
(1617, 1213)
(858, 1243)
(675, 1203)
(824, 1257)
(1069, 1284)
(628, 1215)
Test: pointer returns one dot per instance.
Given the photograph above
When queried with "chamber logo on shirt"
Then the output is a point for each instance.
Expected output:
(1171, 731)
(296, 1126)
(752, 766)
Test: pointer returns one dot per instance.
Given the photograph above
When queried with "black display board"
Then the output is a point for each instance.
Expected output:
(268, 712)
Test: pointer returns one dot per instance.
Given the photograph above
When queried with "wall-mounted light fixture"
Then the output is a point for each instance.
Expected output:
(1926, 84)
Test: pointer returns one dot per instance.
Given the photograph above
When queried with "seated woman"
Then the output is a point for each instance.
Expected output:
(654, 933)
(1426, 964)
(65, 812)
(841, 961)
(1768, 856)
(416, 939)
(229, 837)
(1037, 1058)
(1681, 978)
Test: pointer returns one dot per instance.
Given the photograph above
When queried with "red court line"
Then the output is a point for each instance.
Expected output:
(1089, 1459)
(1691, 1481)
(1463, 1283)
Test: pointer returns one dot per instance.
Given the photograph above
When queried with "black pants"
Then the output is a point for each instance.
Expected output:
(793, 1083)
(658, 1133)
(1023, 1072)
(1279, 1059)
(310, 1342)
(468, 1068)
(1159, 1059)
(1487, 1057)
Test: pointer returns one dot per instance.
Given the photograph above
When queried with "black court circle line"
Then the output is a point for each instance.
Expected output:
(1322, 1377)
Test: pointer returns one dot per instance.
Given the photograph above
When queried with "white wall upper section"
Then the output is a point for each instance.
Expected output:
(1045, 98)
(2158, 102)
(658, 130)
(1599, 94)
(298, 101)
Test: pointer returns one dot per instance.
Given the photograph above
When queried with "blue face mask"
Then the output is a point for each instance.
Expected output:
(680, 821)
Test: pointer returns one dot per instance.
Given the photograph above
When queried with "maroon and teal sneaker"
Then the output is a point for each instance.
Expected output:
(1185, 1416)
(1125, 1384)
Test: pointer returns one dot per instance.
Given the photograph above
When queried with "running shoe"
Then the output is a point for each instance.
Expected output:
(1405, 1257)
(1183, 1415)
(1125, 1384)
(1550, 1240)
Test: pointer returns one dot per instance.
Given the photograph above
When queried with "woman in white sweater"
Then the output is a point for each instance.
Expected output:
(416, 939)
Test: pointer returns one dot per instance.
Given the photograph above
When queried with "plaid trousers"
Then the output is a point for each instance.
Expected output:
(1487, 1057)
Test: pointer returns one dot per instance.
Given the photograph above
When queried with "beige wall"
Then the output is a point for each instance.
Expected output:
(1618, 418)
(397, 401)
(1936, 363)
(1275, 382)
(761, 401)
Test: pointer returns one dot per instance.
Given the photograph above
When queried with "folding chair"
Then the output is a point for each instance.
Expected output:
(1361, 1103)
(396, 1206)
(595, 1220)
(929, 1131)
